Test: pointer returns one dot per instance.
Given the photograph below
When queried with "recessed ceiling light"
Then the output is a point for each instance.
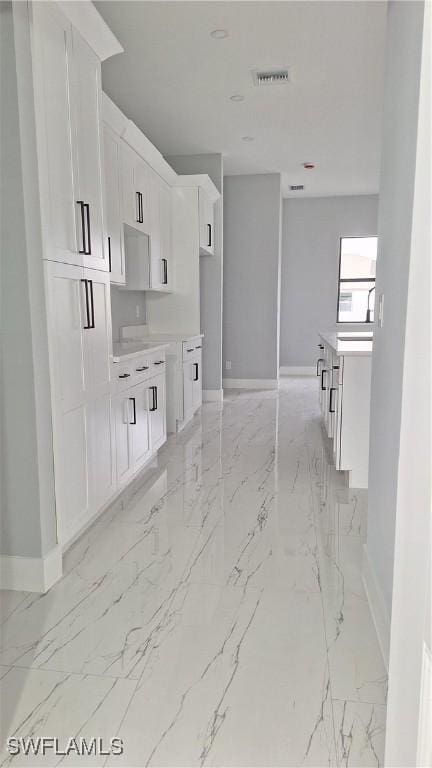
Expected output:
(237, 97)
(247, 138)
(219, 34)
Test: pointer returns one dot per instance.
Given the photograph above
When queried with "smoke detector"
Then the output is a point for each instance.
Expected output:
(271, 76)
(296, 187)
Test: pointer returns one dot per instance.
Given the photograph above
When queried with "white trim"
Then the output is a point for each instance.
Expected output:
(297, 370)
(250, 383)
(199, 180)
(377, 606)
(31, 574)
(136, 139)
(112, 115)
(212, 395)
(92, 27)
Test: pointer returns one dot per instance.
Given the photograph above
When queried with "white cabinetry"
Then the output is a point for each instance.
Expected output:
(67, 89)
(112, 198)
(80, 347)
(135, 190)
(344, 394)
(206, 222)
(192, 381)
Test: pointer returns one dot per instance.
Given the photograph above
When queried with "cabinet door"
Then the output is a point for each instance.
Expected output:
(155, 233)
(206, 222)
(188, 407)
(101, 451)
(157, 412)
(113, 222)
(197, 382)
(86, 99)
(142, 188)
(129, 198)
(140, 424)
(70, 388)
(123, 438)
(52, 47)
(165, 236)
(98, 337)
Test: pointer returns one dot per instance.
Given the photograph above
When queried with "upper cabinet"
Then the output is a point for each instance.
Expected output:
(112, 201)
(135, 190)
(206, 222)
(67, 101)
(160, 236)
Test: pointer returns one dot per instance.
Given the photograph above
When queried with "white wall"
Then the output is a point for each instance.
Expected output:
(27, 515)
(311, 230)
(125, 306)
(409, 715)
(252, 228)
(405, 22)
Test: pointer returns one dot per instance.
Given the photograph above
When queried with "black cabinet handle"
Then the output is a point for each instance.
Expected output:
(109, 255)
(209, 233)
(92, 321)
(196, 377)
(159, 362)
(124, 375)
(199, 347)
(164, 272)
(87, 325)
(134, 410)
(143, 368)
(324, 370)
(140, 211)
(83, 237)
(85, 227)
(191, 349)
(154, 399)
(320, 360)
(331, 406)
(320, 346)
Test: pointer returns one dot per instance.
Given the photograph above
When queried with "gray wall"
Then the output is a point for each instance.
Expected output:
(124, 306)
(252, 228)
(27, 515)
(394, 231)
(311, 231)
(211, 270)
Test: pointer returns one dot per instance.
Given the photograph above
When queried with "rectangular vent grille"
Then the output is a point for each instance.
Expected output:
(275, 77)
(296, 187)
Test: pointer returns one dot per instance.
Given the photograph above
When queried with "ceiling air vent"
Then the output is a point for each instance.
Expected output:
(296, 187)
(271, 77)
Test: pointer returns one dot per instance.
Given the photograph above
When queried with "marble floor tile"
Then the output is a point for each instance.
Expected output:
(360, 731)
(215, 613)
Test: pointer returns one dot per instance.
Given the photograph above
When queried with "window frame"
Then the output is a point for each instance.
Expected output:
(342, 280)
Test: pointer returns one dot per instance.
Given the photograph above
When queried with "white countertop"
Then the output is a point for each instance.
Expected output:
(349, 342)
(127, 350)
(173, 336)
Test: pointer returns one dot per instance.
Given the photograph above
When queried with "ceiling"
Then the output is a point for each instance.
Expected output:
(175, 81)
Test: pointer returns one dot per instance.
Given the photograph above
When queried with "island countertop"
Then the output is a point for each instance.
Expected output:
(349, 342)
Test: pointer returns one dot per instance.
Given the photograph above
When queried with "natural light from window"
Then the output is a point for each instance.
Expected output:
(357, 269)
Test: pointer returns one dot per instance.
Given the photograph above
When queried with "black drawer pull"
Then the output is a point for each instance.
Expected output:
(159, 362)
(324, 370)
(331, 406)
(143, 368)
(320, 346)
(124, 375)
(200, 347)
(196, 377)
(190, 350)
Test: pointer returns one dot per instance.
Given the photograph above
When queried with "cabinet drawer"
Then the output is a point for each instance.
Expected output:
(191, 347)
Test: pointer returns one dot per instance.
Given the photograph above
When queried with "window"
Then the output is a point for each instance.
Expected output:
(357, 268)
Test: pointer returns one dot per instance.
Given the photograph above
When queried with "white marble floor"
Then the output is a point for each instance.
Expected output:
(215, 614)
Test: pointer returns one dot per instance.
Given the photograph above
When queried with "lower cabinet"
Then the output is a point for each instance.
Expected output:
(192, 385)
(140, 425)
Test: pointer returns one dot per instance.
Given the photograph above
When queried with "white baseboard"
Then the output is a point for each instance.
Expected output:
(31, 574)
(297, 370)
(212, 395)
(250, 383)
(377, 606)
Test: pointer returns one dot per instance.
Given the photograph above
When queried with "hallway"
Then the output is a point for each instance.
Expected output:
(215, 614)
